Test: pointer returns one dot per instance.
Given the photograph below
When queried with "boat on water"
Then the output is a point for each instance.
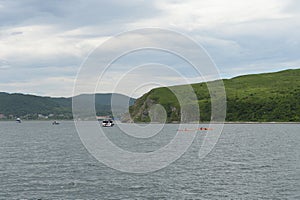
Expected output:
(18, 120)
(108, 123)
(198, 129)
(55, 123)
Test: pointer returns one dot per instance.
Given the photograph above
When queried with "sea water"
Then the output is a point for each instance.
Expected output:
(250, 161)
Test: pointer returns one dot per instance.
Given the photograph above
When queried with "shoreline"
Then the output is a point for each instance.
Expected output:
(236, 122)
(261, 123)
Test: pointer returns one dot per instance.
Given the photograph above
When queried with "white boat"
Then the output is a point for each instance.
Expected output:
(55, 123)
(108, 123)
(18, 120)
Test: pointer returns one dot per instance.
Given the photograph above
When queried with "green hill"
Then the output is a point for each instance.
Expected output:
(257, 98)
(34, 107)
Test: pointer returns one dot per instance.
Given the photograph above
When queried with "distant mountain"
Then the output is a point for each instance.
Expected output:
(258, 98)
(34, 107)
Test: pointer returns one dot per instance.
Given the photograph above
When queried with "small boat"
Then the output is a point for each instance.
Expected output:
(18, 120)
(198, 129)
(204, 129)
(108, 123)
(55, 123)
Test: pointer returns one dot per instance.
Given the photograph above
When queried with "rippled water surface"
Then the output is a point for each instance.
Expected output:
(250, 161)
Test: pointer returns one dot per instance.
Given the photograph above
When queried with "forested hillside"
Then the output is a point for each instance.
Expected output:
(37, 107)
(258, 98)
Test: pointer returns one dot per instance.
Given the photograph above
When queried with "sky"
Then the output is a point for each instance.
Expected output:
(43, 44)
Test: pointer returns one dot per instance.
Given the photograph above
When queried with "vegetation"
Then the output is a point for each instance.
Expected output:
(35, 107)
(255, 98)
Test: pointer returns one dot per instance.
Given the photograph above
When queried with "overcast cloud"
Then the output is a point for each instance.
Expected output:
(43, 43)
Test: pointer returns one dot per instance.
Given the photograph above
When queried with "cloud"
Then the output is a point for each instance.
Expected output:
(195, 14)
(236, 33)
(42, 46)
(50, 86)
(49, 40)
(4, 65)
(72, 14)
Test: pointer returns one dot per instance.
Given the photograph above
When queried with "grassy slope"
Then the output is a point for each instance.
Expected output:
(260, 97)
